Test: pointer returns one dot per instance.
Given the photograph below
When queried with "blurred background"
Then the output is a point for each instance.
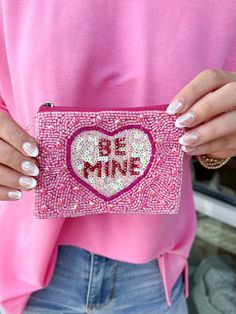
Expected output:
(212, 262)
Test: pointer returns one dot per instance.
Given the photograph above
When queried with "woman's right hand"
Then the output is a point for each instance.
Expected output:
(17, 163)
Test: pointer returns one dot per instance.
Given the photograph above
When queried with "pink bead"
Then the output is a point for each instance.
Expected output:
(75, 120)
(162, 202)
(60, 201)
(98, 119)
(76, 207)
(44, 208)
(131, 200)
(109, 207)
(58, 144)
(170, 188)
(140, 118)
(157, 124)
(61, 186)
(174, 151)
(173, 172)
(64, 167)
(139, 190)
(118, 122)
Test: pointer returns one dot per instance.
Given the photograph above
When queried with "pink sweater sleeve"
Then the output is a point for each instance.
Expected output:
(230, 61)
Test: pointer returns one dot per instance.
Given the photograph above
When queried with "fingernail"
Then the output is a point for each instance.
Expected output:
(175, 106)
(28, 183)
(14, 194)
(30, 149)
(29, 168)
(187, 149)
(185, 120)
(189, 139)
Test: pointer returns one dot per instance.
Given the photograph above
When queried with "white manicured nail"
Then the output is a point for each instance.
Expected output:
(189, 139)
(188, 149)
(30, 149)
(29, 168)
(185, 120)
(14, 194)
(28, 183)
(184, 149)
(175, 106)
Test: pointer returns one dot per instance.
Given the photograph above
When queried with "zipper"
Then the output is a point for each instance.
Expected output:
(50, 106)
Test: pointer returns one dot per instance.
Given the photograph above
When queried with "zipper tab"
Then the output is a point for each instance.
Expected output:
(48, 104)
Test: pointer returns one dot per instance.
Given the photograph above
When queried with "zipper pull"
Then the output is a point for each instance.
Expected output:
(48, 104)
(32, 124)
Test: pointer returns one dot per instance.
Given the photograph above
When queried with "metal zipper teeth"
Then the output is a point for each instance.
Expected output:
(43, 108)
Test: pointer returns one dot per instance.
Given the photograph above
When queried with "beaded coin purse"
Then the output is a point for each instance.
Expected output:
(95, 161)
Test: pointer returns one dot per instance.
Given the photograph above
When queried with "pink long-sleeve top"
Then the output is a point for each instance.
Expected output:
(89, 53)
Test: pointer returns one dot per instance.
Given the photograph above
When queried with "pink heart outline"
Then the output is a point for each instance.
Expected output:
(109, 133)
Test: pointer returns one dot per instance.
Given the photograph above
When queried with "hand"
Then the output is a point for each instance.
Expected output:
(209, 111)
(17, 165)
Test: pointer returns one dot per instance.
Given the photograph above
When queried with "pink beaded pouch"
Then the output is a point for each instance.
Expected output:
(125, 160)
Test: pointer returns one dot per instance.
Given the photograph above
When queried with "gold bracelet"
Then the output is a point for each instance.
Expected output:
(212, 162)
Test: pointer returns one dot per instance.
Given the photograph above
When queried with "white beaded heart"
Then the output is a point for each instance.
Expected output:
(110, 164)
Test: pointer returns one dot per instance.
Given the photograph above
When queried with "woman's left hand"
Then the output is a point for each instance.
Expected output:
(209, 109)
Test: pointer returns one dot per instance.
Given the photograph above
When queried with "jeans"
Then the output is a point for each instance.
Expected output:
(84, 282)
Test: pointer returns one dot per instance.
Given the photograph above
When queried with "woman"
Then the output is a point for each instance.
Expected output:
(100, 54)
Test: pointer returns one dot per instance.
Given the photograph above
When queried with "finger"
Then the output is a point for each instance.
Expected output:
(13, 134)
(214, 129)
(12, 158)
(223, 154)
(218, 102)
(7, 194)
(205, 82)
(225, 146)
(13, 179)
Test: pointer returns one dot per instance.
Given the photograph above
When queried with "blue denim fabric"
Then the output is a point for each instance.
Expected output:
(84, 282)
